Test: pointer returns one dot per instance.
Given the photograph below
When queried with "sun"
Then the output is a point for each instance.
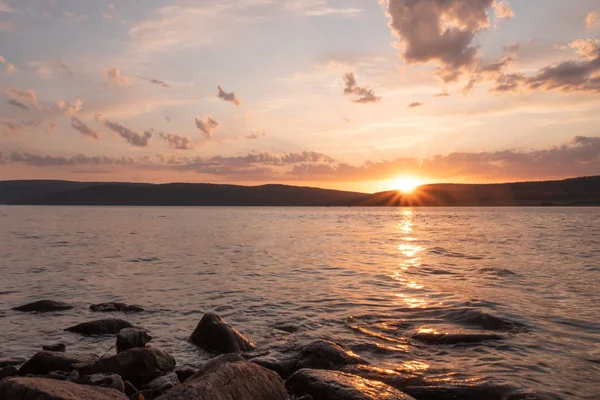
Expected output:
(406, 184)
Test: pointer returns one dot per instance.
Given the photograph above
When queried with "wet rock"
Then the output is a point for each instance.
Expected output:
(287, 327)
(142, 395)
(530, 395)
(109, 326)
(392, 378)
(161, 384)
(335, 385)
(229, 377)
(57, 347)
(113, 307)
(4, 362)
(213, 333)
(320, 354)
(138, 366)
(455, 338)
(45, 362)
(112, 381)
(129, 388)
(48, 389)
(184, 373)
(43, 306)
(8, 371)
(486, 392)
(130, 338)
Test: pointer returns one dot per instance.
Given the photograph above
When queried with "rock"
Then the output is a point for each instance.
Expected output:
(320, 354)
(334, 385)
(4, 362)
(100, 327)
(57, 347)
(130, 338)
(112, 381)
(142, 395)
(44, 306)
(48, 389)
(138, 366)
(113, 307)
(287, 327)
(8, 371)
(45, 362)
(455, 338)
(163, 383)
(529, 395)
(487, 392)
(229, 377)
(213, 333)
(184, 373)
(392, 378)
(129, 388)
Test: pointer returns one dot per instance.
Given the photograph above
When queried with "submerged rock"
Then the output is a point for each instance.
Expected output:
(455, 338)
(42, 306)
(335, 385)
(112, 381)
(138, 366)
(45, 362)
(530, 395)
(57, 347)
(392, 378)
(113, 307)
(109, 326)
(320, 354)
(213, 333)
(229, 377)
(48, 389)
(130, 338)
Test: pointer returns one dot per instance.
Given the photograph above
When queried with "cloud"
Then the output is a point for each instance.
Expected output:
(503, 11)
(440, 31)
(362, 94)
(230, 97)
(512, 48)
(132, 137)
(6, 26)
(2, 60)
(82, 128)
(17, 103)
(443, 94)
(255, 135)
(113, 74)
(587, 48)
(66, 67)
(592, 21)
(167, 118)
(5, 8)
(24, 98)
(10, 69)
(38, 160)
(14, 126)
(157, 82)
(176, 142)
(75, 17)
(207, 126)
(317, 8)
(71, 108)
(415, 104)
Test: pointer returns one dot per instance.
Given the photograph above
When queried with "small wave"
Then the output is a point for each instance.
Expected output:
(479, 319)
(141, 259)
(452, 338)
(497, 271)
(376, 348)
(447, 253)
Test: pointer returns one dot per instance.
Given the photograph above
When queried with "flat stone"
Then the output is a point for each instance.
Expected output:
(335, 385)
(48, 389)
(213, 333)
(108, 326)
(43, 306)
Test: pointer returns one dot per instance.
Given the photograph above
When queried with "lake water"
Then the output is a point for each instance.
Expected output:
(370, 278)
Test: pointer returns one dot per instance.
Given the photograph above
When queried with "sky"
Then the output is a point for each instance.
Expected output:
(343, 94)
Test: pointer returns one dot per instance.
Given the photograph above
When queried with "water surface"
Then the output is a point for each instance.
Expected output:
(371, 278)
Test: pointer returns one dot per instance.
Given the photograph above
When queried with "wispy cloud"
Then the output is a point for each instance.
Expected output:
(207, 126)
(176, 142)
(592, 21)
(415, 104)
(317, 8)
(113, 74)
(361, 94)
(82, 128)
(230, 97)
(132, 137)
(255, 135)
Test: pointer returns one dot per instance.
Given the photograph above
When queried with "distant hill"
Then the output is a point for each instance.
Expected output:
(569, 192)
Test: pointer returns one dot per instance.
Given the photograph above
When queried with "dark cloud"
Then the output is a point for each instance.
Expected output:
(415, 104)
(569, 76)
(362, 94)
(53, 161)
(22, 98)
(255, 135)
(440, 31)
(443, 94)
(132, 137)
(82, 128)
(230, 97)
(17, 103)
(14, 125)
(157, 82)
(208, 126)
(176, 142)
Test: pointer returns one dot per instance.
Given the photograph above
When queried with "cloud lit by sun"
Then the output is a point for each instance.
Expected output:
(407, 184)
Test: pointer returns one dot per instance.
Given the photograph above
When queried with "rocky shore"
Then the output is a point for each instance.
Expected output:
(318, 370)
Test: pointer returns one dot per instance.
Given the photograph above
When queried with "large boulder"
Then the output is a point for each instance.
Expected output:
(320, 354)
(213, 333)
(229, 377)
(113, 307)
(45, 362)
(44, 306)
(130, 338)
(109, 326)
(335, 385)
(48, 389)
(138, 366)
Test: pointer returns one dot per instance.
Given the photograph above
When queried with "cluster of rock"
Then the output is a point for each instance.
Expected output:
(320, 370)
